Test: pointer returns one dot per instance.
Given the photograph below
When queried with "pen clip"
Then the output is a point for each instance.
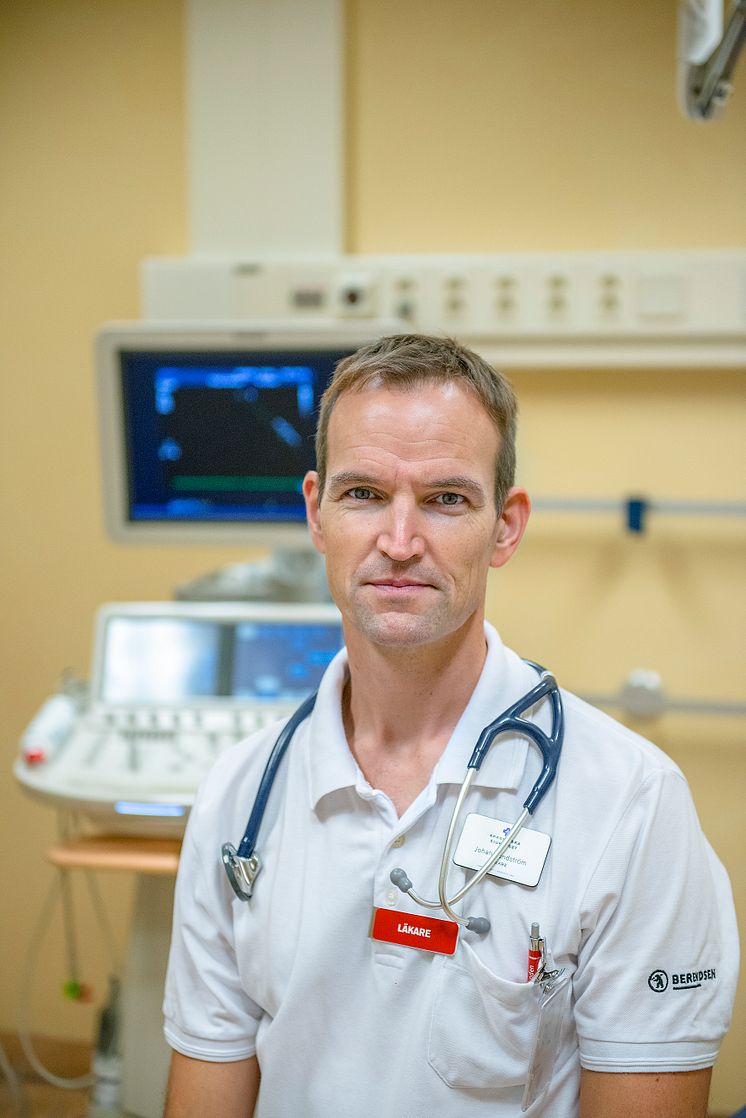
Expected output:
(546, 978)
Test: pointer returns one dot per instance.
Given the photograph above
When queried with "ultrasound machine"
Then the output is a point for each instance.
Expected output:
(172, 684)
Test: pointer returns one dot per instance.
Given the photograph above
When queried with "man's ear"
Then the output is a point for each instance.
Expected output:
(511, 525)
(311, 495)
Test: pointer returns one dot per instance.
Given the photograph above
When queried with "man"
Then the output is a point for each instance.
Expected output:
(296, 1002)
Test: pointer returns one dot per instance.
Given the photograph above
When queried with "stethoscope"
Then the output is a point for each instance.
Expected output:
(242, 865)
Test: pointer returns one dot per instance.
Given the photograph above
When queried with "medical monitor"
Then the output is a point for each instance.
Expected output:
(157, 654)
(207, 431)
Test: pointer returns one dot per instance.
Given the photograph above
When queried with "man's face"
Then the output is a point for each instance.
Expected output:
(407, 520)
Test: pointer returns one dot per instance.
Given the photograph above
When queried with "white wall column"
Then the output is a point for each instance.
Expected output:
(265, 107)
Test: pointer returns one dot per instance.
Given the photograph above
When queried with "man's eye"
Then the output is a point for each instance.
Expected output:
(450, 499)
(360, 493)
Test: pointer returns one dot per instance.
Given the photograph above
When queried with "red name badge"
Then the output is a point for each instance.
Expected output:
(424, 932)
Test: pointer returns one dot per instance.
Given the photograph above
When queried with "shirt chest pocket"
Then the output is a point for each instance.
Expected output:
(482, 1028)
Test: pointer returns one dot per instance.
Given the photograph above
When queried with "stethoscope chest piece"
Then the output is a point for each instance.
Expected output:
(241, 872)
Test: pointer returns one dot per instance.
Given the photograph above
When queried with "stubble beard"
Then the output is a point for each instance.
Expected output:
(399, 628)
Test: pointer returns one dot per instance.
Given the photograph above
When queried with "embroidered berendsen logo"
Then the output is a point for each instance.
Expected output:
(689, 980)
(658, 981)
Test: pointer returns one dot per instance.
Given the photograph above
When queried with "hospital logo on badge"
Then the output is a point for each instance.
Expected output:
(658, 981)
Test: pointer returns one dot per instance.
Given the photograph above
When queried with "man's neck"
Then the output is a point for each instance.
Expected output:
(400, 706)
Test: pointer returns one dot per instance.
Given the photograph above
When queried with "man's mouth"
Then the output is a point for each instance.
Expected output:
(397, 582)
(399, 585)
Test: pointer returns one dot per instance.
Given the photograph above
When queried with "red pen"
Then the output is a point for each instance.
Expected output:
(535, 952)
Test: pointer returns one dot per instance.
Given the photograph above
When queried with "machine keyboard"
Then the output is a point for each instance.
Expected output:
(140, 752)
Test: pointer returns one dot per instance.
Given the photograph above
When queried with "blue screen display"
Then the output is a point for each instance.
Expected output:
(221, 436)
(281, 662)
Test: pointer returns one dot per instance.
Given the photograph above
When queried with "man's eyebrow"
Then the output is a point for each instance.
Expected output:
(462, 482)
(346, 478)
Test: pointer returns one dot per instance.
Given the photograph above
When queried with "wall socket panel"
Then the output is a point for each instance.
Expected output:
(648, 296)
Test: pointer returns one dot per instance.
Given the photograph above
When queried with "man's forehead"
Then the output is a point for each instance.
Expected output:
(433, 419)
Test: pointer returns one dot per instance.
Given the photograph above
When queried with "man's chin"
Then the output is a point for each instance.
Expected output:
(395, 629)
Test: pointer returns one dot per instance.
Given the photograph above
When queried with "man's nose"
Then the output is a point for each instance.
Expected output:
(401, 534)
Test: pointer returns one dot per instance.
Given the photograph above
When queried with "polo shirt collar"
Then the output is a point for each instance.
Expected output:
(329, 761)
(504, 678)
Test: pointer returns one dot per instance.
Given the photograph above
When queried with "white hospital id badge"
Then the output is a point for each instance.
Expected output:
(523, 861)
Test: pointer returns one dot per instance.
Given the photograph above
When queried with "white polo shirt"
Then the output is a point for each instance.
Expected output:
(632, 902)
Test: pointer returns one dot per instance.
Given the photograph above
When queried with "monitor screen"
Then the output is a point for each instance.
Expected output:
(281, 663)
(160, 660)
(206, 434)
(173, 658)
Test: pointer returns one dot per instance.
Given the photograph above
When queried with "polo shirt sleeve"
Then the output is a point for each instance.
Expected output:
(658, 961)
(207, 1014)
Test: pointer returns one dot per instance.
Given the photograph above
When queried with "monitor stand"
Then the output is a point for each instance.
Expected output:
(284, 576)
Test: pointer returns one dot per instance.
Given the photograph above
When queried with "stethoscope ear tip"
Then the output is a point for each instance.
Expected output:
(398, 877)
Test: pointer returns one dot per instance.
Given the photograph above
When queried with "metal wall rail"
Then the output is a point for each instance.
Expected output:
(635, 510)
(643, 696)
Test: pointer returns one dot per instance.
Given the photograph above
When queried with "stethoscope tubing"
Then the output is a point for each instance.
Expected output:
(247, 844)
(243, 865)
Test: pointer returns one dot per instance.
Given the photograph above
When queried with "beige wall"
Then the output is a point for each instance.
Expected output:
(471, 126)
(489, 126)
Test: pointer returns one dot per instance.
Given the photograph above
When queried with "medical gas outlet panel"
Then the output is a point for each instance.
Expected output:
(172, 686)
(617, 299)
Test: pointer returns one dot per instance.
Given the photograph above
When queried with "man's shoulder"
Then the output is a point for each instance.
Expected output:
(596, 738)
(608, 767)
(599, 735)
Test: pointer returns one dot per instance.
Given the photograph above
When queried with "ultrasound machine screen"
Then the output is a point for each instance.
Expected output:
(221, 437)
(207, 433)
(173, 660)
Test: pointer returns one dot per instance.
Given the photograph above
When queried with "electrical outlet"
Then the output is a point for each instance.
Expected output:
(505, 297)
(455, 298)
(609, 295)
(404, 298)
(356, 295)
(557, 295)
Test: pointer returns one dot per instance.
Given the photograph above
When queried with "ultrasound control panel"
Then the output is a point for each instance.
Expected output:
(172, 685)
